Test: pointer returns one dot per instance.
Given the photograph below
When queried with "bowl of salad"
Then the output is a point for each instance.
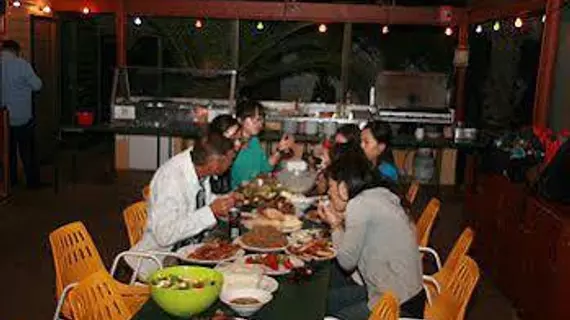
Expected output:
(184, 291)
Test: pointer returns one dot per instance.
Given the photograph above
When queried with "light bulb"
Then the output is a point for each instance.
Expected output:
(479, 29)
(46, 9)
(496, 26)
(518, 22)
(137, 21)
(198, 24)
(86, 10)
(322, 28)
(448, 31)
(543, 18)
(260, 26)
(385, 29)
(16, 4)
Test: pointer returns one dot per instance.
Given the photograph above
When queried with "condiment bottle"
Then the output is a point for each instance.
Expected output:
(233, 222)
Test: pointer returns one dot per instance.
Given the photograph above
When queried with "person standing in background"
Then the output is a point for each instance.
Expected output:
(18, 82)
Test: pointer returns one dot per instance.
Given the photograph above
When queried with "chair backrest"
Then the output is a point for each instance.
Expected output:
(387, 308)
(135, 217)
(413, 191)
(426, 220)
(460, 248)
(452, 302)
(75, 256)
(146, 192)
(95, 298)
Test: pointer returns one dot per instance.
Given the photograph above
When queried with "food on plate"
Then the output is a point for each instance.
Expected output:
(245, 300)
(280, 204)
(263, 188)
(264, 237)
(179, 283)
(314, 249)
(220, 315)
(271, 260)
(215, 250)
(313, 215)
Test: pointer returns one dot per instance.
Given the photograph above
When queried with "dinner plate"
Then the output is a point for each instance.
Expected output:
(297, 263)
(249, 224)
(259, 249)
(313, 258)
(184, 252)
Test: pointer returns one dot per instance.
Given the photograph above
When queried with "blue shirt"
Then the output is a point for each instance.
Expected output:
(18, 82)
(389, 171)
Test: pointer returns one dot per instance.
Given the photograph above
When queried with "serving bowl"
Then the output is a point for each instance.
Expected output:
(245, 310)
(205, 288)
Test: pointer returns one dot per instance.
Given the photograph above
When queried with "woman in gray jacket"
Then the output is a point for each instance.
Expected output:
(373, 235)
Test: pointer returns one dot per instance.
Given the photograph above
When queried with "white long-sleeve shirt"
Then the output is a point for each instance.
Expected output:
(172, 213)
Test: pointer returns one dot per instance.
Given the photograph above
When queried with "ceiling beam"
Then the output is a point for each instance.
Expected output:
(517, 8)
(95, 6)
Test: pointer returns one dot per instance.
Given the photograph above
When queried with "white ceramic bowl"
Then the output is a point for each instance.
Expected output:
(242, 309)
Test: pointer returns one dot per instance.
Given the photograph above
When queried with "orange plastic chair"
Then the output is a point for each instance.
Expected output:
(426, 220)
(387, 308)
(453, 298)
(75, 258)
(97, 298)
(135, 220)
(460, 249)
(146, 192)
(413, 191)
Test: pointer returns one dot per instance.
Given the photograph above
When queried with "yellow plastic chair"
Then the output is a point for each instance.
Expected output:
(75, 258)
(460, 249)
(453, 298)
(426, 220)
(135, 220)
(96, 298)
(146, 192)
(413, 191)
(387, 308)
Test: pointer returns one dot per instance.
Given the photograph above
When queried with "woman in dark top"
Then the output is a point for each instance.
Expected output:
(375, 142)
(229, 127)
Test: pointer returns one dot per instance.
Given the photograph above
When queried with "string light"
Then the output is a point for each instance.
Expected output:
(86, 10)
(448, 31)
(496, 26)
(16, 4)
(385, 29)
(518, 22)
(543, 18)
(46, 9)
(260, 26)
(198, 24)
(479, 29)
(137, 21)
(322, 28)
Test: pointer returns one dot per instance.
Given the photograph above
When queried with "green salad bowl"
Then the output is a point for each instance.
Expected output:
(203, 291)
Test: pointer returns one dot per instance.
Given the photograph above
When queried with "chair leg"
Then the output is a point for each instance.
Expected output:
(61, 300)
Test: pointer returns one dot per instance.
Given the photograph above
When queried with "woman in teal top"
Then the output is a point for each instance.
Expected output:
(375, 142)
(251, 161)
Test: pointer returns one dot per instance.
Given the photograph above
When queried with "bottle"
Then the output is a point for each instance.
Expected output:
(233, 222)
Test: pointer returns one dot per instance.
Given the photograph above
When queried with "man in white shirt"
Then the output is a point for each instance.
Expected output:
(18, 82)
(181, 207)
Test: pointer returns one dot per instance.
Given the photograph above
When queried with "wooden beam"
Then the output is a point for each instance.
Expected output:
(460, 74)
(95, 6)
(517, 8)
(121, 37)
(292, 11)
(547, 63)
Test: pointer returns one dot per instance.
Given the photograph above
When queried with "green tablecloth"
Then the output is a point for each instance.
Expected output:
(305, 300)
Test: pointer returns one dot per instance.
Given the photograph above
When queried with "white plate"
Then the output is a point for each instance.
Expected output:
(282, 270)
(267, 283)
(248, 224)
(313, 258)
(257, 249)
(185, 251)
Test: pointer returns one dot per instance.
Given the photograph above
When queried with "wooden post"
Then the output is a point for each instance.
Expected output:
(345, 63)
(120, 25)
(460, 71)
(547, 62)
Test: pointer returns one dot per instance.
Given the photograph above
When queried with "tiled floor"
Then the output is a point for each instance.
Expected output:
(28, 217)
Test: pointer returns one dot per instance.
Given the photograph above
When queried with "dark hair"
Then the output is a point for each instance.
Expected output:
(249, 108)
(11, 45)
(382, 133)
(339, 149)
(222, 123)
(357, 173)
(351, 132)
(213, 144)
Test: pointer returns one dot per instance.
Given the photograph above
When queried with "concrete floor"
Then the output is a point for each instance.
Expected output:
(28, 217)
